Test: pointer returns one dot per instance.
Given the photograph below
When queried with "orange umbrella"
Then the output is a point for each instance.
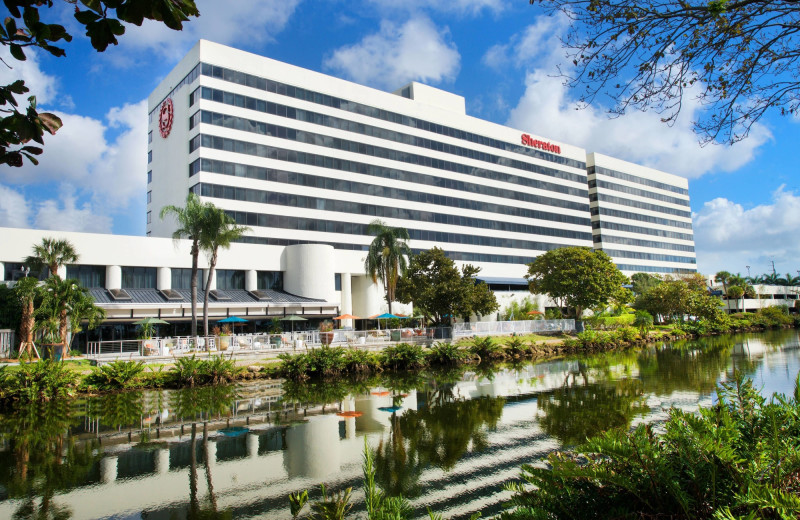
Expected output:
(346, 317)
(350, 414)
(535, 312)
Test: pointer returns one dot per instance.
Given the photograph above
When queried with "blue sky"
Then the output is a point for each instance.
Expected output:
(500, 55)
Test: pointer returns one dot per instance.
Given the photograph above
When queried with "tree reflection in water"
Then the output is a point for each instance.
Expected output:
(43, 459)
(438, 435)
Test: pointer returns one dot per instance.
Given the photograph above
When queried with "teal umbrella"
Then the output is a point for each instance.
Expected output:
(234, 320)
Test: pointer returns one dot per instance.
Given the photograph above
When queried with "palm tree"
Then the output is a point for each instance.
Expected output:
(736, 292)
(387, 256)
(770, 279)
(26, 290)
(723, 277)
(190, 225)
(219, 230)
(52, 253)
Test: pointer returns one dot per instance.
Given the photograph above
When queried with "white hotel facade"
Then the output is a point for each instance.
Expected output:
(307, 161)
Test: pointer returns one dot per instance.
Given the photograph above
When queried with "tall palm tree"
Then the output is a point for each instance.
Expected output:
(26, 290)
(387, 257)
(190, 221)
(52, 253)
(723, 277)
(219, 230)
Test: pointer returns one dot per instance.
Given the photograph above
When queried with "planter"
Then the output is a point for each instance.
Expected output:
(396, 335)
(326, 338)
(224, 342)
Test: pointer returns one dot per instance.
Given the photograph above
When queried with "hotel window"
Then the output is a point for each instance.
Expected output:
(149, 156)
(149, 176)
(138, 277)
(337, 281)
(88, 275)
(149, 217)
(269, 280)
(228, 279)
(182, 278)
(149, 197)
(149, 137)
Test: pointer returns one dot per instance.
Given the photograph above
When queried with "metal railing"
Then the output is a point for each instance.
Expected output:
(7, 343)
(489, 328)
(277, 343)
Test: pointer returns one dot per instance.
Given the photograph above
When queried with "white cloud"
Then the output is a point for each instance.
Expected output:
(730, 237)
(414, 51)
(41, 85)
(548, 108)
(470, 7)
(14, 210)
(242, 23)
(66, 214)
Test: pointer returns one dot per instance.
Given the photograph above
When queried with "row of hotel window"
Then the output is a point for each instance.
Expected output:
(373, 210)
(319, 98)
(347, 145)
(94, 276)
(298, 114)
(376, 190)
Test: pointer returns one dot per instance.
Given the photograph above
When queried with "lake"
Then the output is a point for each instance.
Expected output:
(446, 440)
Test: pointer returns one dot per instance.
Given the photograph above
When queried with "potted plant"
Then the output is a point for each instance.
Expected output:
(223, 335)
(326, 332)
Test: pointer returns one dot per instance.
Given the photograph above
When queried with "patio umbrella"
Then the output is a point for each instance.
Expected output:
(385, 316)
(147, 324)
(234, 320)
(346, 317)
(293, 318)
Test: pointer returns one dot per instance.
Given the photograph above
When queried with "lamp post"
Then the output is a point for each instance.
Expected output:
(748, 271)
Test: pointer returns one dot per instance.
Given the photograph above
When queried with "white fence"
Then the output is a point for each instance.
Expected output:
(490, 328)
(276, 343)
(6, 343)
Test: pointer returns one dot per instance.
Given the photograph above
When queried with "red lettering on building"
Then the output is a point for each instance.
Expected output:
(541, 145)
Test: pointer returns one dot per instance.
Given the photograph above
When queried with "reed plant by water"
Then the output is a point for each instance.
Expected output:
(44, 380)
(737, 459)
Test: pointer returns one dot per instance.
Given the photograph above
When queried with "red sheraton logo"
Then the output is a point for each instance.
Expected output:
(541, 145)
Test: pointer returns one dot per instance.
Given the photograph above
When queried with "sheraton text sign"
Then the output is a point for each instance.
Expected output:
(541, 145)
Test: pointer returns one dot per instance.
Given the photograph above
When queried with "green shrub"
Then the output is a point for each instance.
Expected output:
(43, 380)
(516, 347)
(447, 354)
(605, 322)
(294, 367)
(116, 375)
(187, 370)
(404, 357)
(218, 370)
(486, 349)
(360, 362)
(737, 459)
(326, 361)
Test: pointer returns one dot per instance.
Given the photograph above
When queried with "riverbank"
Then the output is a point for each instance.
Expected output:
(44, 381)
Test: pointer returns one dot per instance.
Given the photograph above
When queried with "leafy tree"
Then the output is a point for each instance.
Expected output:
(102, 20)
(736, 292)
(675, 298)
(53, 254)
(190, 220)
(723, 277)
(387, 256)
(519, 310)
(577, 277)
(643, 320)
(65, 305)
(439, 290)
(218, 231)
(737, 58)
(643, 281)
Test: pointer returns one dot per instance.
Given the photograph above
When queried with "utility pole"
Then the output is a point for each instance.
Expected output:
(773, 267)
(748, 271)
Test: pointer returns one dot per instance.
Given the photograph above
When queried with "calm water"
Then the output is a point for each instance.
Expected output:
(447, 441)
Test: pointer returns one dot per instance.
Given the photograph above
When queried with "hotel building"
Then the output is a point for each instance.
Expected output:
(307, 161)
